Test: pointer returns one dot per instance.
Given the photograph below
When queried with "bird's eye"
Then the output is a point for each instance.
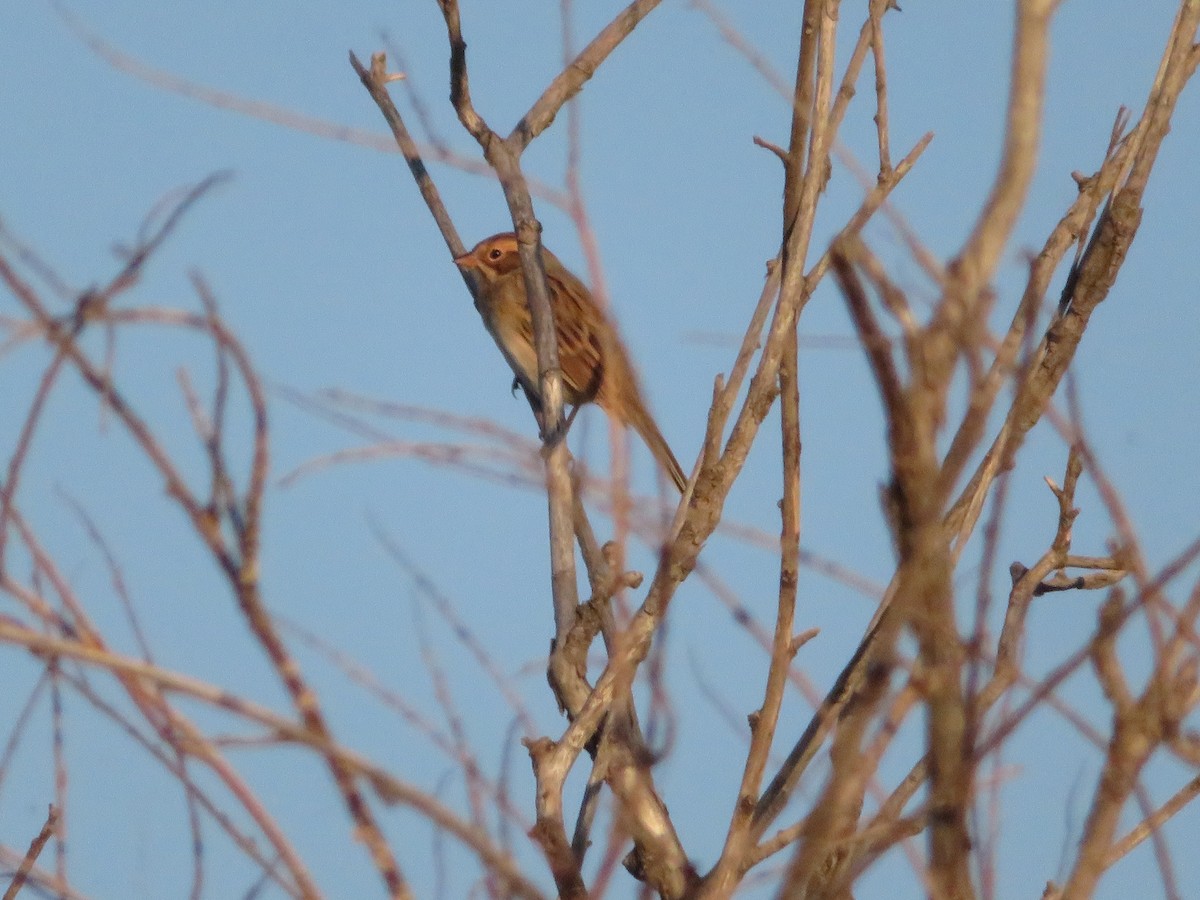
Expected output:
(495, 253)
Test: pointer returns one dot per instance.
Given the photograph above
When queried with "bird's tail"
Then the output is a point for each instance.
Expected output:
(639, 418)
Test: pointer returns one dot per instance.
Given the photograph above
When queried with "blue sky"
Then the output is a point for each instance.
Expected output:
(325, 262)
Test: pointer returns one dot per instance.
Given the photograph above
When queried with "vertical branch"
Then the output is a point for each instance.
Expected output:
(820, 29)
(923, 590)
(802, 110)
(875, 19)
(810, 102)
(1022, 134)
(504, 158)
(661, 861)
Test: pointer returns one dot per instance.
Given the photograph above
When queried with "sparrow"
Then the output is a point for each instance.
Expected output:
(595, 365)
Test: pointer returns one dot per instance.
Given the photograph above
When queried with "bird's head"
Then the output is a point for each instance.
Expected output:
(493, 257)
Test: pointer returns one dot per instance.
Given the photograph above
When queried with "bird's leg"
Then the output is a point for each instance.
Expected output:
(549, 437)
(539, 412)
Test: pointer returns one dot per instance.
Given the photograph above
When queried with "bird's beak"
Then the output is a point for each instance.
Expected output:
(466, 261)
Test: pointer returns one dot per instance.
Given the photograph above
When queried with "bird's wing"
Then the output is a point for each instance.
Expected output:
(581, 334)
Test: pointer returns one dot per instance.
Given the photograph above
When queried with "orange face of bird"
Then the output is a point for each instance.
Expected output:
(495, 256)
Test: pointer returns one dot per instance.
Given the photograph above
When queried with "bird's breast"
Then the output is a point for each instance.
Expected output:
(507, 318)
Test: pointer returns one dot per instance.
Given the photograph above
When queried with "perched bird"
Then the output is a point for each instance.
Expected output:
(595, 367)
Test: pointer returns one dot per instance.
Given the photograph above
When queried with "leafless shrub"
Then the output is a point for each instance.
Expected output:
(928, 656)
